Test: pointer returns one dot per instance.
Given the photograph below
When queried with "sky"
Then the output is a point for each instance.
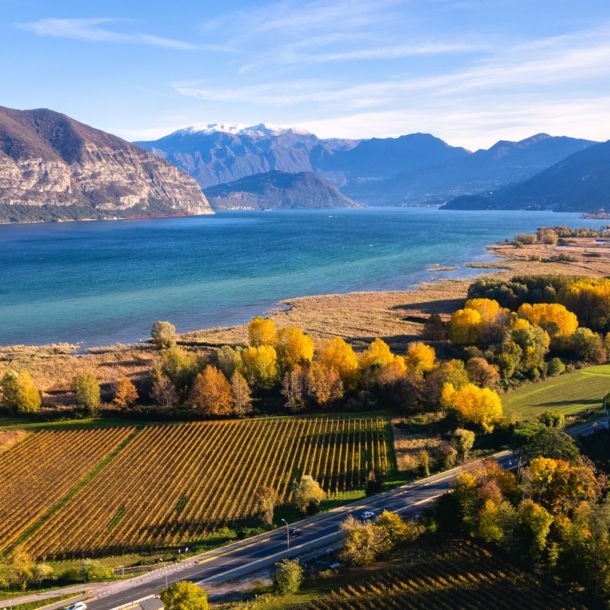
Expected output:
(470, 72)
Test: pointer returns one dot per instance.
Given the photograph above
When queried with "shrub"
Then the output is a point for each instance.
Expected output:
(163, 335)
(555, 367)
(526, 238)
(288, 576)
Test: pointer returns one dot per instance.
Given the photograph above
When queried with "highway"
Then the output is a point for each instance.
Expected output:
(321, 531)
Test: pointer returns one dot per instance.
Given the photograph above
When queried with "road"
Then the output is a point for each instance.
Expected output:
(318, 532)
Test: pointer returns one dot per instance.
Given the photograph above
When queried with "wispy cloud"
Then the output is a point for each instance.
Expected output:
(90, 30)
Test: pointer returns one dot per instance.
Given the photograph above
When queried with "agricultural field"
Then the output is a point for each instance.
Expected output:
(462, 576)
(39, 471)
(173, 484)
(584, 389)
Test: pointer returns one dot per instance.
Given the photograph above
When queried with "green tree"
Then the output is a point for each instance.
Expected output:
(92, 570)
(555, 367)
(307, 494)
(588, 346)
(551, 443)
(87, 389)
(184, 595)
(19, 393)
(163, 335)
(288, 576)
(180, 366)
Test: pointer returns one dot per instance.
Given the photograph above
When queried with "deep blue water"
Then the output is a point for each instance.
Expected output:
(103, 282)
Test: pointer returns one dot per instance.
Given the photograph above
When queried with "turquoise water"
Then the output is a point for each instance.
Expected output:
(103, 282)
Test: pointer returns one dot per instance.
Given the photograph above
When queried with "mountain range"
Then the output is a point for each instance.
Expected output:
(412, 169)
(52, 166)
(578, 183)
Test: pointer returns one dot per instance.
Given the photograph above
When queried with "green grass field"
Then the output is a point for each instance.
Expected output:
(578, 391)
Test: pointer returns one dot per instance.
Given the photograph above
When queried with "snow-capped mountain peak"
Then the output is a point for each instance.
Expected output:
(262, 129)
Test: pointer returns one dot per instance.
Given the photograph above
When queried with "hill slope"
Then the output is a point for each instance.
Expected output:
(49, 159)
(278, 190)
(578, 183)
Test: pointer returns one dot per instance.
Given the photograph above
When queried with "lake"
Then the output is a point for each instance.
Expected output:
(98, 283)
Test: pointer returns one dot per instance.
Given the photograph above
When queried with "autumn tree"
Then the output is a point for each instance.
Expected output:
(228, 360)
(184, 595)
(481, 373)
(293, 348)
(434, 328)
(453, 372)
(260, 366)
(19, 393)
(480, 406)
(163, 391)
(211, 393)
(463, 441)
(87, 389)
(336, 353)
(323, 384)
(266, 500)
(261, 332)
(554, 318)
(163, 335)
(363, 542)
(377, 354)
(588, 346)
(241, 395)
(180, 366)
(534, 343)
(465, 327)
(307, 494)
(396, 529)
(589, 299)
(420, 357)
(126, 394)
(293, 389)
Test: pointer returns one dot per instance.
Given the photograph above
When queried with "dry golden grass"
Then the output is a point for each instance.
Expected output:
(407, 446)
(8, 438)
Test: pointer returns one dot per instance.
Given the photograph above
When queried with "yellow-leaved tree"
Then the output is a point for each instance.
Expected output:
(293, 347)
(261, 331)
(420, 357)
(589, 299)
(336, 353)
(488, 309)
(19, 393)
(552, 317)
(260, 366)
(377, 354)
(466, 326)
(480, 406)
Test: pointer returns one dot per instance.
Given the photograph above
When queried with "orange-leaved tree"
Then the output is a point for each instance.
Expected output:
(126, 394)
(211, 393)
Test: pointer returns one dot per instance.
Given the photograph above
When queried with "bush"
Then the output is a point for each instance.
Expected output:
(526, 238)
(288, 576)
(163, 335)
(555, 367)
(587, 346)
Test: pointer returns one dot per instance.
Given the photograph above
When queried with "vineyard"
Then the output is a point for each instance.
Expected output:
(38, 472)
(464, 577)
(173, 484)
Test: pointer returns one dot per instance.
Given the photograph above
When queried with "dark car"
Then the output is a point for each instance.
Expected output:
(294, 533)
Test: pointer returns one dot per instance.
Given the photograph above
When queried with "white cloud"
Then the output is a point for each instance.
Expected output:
(88, 29)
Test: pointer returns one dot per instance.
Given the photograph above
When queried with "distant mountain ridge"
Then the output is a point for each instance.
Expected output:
(578, 183)
(275, 190)
(49, 160)
(416, 168)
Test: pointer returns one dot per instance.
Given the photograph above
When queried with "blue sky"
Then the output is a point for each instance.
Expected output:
(471, 72)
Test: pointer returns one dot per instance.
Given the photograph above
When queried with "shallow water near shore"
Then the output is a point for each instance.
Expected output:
(104, 282)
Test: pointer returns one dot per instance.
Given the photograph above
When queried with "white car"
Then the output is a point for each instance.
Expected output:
(77, 606)
(368, 515)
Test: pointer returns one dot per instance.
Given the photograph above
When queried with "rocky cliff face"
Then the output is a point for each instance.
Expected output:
(49, 159)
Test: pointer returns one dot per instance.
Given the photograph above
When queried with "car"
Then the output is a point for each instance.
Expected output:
(294, 533)
(77, 606)
(368, 515)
